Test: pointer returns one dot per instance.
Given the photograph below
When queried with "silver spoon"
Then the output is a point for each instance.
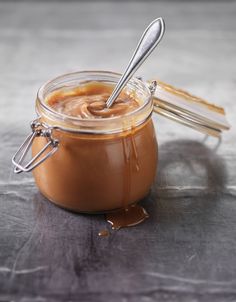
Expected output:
(149, 40)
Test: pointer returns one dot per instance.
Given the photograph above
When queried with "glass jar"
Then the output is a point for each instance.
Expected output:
(92, 165)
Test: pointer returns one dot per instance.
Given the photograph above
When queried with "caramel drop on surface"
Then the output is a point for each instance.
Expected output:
(103, 233)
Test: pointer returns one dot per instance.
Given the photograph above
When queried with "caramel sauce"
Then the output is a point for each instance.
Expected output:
(103, 233)
(135, 154)
(88, 101)
(130, 216)
(92, 173)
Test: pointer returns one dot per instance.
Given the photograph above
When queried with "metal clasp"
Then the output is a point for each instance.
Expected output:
(38, 129)
(152, 87)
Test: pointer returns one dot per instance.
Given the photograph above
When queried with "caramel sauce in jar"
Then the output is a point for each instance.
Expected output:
(107, 157)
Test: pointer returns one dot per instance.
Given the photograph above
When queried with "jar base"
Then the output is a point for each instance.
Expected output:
(99, 212)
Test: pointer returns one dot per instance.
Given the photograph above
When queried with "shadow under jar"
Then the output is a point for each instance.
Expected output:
(98, 164)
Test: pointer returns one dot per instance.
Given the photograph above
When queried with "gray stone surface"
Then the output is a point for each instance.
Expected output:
(186, 250)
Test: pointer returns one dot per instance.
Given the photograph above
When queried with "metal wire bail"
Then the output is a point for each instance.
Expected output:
(38, 129)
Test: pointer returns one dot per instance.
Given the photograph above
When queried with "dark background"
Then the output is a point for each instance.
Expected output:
(186, 250)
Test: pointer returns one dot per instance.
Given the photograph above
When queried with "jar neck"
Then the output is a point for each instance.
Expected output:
(96, 126)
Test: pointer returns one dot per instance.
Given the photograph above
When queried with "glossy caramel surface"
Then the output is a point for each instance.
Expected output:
(88, 101)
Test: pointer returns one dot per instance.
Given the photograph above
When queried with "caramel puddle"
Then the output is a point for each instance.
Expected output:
(130, 216)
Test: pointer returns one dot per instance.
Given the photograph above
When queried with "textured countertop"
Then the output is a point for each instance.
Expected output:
(186, 251)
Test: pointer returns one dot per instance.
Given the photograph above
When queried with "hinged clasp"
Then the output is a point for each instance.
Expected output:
(38, 129)
(152, 87)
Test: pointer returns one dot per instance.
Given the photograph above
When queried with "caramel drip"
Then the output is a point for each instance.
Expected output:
(135, 150)
(134, 214)
(127, 172)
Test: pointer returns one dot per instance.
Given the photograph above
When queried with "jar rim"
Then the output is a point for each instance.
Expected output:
(132, 81)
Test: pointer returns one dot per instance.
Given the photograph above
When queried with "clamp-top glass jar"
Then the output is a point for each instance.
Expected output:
(90, 165)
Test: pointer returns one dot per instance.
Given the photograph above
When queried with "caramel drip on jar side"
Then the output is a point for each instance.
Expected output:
(121, 216)
(126, 171)
(128, 215)
(135, 150)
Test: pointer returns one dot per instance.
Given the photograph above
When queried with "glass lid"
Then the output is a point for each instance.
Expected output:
(189, 110)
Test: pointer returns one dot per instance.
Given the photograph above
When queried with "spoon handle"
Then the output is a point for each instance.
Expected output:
(149, 40)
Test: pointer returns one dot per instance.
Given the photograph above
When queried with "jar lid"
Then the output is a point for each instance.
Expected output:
(194, 112)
